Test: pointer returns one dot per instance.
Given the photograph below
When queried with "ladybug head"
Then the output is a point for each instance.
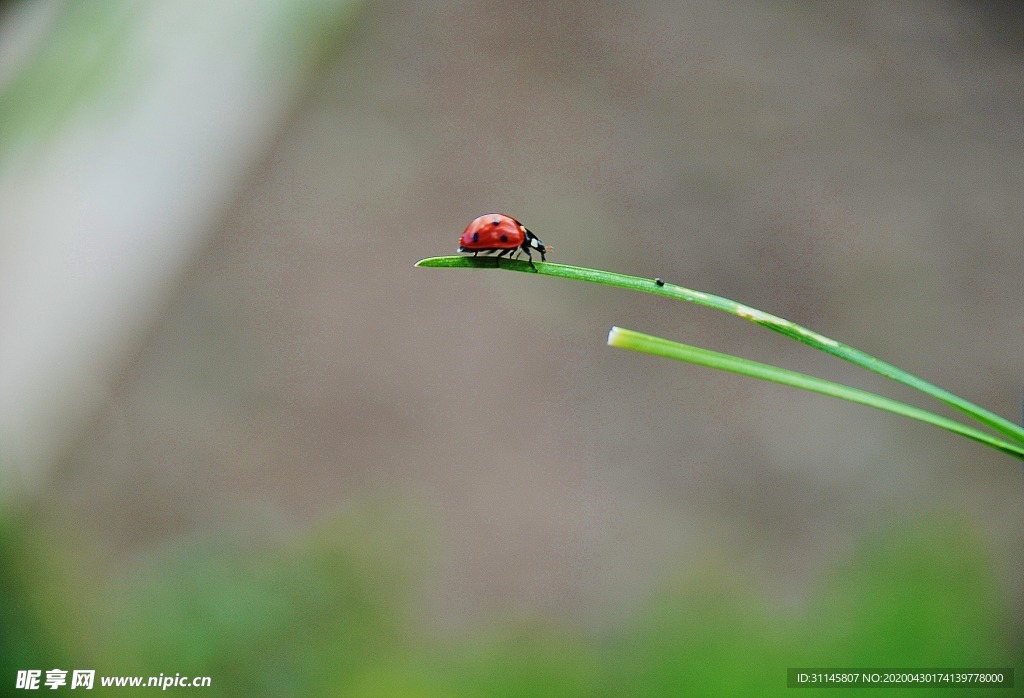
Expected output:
(534, 242)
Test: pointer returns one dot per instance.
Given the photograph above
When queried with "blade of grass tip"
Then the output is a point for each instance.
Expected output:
(657, 346)
(767, 320)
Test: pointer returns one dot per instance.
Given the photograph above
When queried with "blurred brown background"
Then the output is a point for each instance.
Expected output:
(856, 168)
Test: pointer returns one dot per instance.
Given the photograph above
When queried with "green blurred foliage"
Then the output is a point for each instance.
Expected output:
(919, 596)
(923, 595)
(79, 59)
(292, 619)
(24, 638)
(327, 616)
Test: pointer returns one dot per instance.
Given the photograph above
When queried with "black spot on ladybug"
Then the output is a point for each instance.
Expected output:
(476, 237)
(504, 238)
(660, 281)
(496, 221)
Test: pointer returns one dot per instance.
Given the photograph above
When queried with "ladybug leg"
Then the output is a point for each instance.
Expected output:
(497, 259)
(529, 257)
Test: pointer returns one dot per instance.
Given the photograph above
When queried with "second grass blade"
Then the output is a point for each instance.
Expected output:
(657, 346)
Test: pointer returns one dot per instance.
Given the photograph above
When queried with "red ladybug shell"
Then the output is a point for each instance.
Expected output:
(492, 231)
(496, 232)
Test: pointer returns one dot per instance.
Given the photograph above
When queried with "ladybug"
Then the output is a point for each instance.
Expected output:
(496, 232)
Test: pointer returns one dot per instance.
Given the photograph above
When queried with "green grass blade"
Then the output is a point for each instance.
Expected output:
(776, 324)
(648, 344)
